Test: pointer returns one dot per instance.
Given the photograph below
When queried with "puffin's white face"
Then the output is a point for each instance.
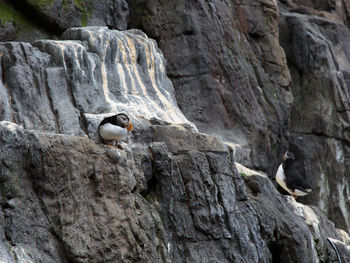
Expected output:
(288, 155)
(123, 120)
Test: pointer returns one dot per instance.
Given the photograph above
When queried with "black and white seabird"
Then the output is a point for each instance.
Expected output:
(115, 127)
(290, 179)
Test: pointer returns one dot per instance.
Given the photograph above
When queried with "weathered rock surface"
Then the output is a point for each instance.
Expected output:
(334, 10)
(65, 14)
(30, 20)
(172, 194)
(231, 76)
(319, 62)
(66, 198)
(94, 71)
(231, 79)
(291, 238)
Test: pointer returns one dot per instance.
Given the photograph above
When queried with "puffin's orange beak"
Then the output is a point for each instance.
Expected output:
(129, 128)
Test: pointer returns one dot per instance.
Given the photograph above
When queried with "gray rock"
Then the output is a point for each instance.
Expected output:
(8, 31)
(65, 198)
(71, 85)
(17, 25)
(65, 207)
(220, 88)
(318, 56)
(293, 232)
(333, 10)
(199, 203)
(172, 194)
(26, 231)
(26, 20)
(229, 72)
(179, 139)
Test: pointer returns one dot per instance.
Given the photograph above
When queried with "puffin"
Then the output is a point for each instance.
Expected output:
(115, 127)
(290, 179)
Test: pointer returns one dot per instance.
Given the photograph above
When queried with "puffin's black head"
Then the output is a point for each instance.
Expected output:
(288, 155)
(121, 120)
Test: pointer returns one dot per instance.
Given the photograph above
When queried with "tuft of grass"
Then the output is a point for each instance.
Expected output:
(243, 174)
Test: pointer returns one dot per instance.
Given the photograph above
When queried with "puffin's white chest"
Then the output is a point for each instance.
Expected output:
(112, 132)
(281, 178)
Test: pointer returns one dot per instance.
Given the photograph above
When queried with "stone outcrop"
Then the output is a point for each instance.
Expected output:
(76, 81)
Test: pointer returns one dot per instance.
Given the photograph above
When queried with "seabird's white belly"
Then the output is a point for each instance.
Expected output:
(112, 132)
(281, 180)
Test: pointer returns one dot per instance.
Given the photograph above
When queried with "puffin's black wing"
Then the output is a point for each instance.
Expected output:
(110, 119)
(294, 180)
(113, 120)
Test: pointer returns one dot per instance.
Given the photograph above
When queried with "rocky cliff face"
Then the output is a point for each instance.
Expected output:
(60, 86)
(67, 198)
(257, 104)
(318, 59)
(231, 76)
(172, 194)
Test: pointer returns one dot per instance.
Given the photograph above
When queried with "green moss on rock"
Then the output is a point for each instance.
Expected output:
(24, 27)
(86, 11)
(66, 5)
(79, 4)
(84, 19)
(6, 13)
(40, 3)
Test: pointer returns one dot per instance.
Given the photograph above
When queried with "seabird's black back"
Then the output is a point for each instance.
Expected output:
(294, 179)
(114, 120)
